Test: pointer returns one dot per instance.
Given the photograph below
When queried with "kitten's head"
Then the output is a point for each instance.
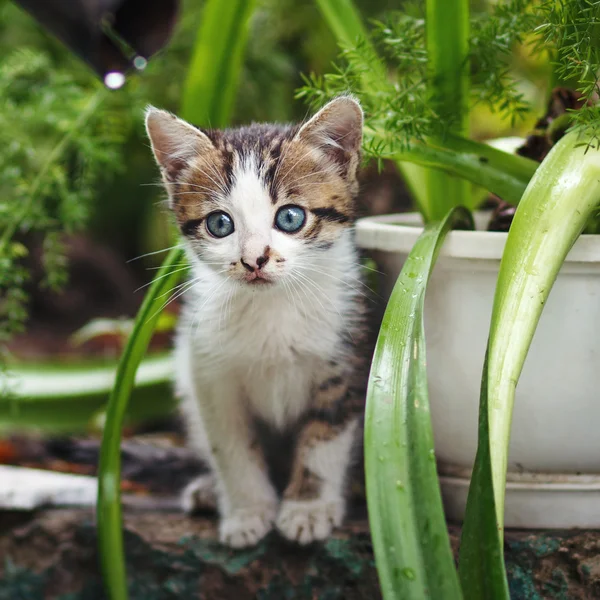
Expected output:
(256, 203)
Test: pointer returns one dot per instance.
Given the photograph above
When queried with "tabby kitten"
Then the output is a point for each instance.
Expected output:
(271, 332)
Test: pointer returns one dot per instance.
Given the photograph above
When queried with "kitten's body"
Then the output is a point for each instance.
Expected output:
(285, 351)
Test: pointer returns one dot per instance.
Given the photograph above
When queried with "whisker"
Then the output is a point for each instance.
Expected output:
(327, 274)
(159, 277)
(343, 322)
(153, 253)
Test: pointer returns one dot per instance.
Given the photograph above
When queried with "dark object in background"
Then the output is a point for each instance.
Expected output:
(548, 130)
(112, 36)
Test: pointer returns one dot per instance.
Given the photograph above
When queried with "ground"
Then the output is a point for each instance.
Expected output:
(52, 555)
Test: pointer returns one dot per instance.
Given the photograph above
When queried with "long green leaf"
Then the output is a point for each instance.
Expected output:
(109, 518)
(208, 100)
(212, 81)
(408, 528)
(447, 26)
(551, 215)
(500, 172)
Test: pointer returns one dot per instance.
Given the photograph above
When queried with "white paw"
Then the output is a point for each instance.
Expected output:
(200, 494)
(247, 526)
(306, 521)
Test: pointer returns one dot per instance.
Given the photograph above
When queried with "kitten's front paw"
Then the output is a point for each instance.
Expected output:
(246, 527)
(306, 521)
(200, 494)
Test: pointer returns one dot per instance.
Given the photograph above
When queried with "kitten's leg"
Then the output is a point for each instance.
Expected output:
(314, 500)
(246, 498)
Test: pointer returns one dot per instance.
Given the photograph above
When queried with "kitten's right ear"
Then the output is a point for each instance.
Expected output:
(174, 142)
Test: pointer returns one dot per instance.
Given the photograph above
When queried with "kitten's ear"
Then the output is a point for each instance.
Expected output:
(336, 129)
(174, 142)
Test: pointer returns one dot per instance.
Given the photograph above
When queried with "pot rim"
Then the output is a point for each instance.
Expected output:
(398, 233)
(35, 381)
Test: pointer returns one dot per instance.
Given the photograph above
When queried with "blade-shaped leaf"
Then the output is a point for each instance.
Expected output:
(408, 527)
(212, 81)
(562, 194)
(110, 537)
(208, 100)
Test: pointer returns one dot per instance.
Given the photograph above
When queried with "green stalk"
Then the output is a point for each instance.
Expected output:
(110, 537)
(212, 81)
(504, 174)
(345, 22)
(561, 196)
(408, 528)
(447, 28)
(208, 100)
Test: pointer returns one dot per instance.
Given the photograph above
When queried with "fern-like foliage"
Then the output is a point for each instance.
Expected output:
(570, 29)
(58, 139)
(566, 31)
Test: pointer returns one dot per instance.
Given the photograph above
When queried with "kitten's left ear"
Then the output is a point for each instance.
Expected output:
(337, 130)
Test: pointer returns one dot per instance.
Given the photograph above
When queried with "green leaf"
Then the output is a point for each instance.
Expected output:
(507, 175)
(481, 565)
(408, 528)
(212, 82)
(208, 100)
(562, 195)
(110, 537)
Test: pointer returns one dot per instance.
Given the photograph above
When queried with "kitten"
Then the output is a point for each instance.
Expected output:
(272, 333)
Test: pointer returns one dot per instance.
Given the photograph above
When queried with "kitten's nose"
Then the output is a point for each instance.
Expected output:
(256, 265)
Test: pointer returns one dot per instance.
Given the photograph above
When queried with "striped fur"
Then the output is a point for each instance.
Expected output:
(273, 331)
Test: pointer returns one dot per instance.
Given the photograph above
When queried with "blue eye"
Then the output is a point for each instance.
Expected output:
(290, 218)
(219, 224)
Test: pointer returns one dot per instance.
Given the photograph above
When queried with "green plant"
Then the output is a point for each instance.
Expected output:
(420, 112)
(60, 137)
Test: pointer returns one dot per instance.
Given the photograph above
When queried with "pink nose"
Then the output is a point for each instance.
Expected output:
(256, 265)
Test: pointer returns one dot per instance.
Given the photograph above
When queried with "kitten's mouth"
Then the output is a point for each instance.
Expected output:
(258, 279)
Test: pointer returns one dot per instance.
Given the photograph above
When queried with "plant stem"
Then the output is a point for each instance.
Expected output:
(447, 23)
(554, 210)
(109, 517)
(504, 174)
(212, 81)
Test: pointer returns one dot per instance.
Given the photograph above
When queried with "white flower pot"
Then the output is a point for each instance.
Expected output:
(554, 461)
